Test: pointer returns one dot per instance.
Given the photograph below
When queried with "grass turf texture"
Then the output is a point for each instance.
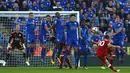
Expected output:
(55, 70)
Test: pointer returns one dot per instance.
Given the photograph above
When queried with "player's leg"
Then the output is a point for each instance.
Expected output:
(122, 53)
(42, 39)
(60, 47)
(68, 62)
(43, 52)
(28, 52)
(85, 59)
(61, 59)
(53, 55)
(103, 59)
(76, 56)
(68, 47)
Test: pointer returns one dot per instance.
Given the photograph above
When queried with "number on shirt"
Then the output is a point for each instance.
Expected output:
(101, 43)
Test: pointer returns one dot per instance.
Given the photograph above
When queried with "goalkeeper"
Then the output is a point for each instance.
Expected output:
(16, 42)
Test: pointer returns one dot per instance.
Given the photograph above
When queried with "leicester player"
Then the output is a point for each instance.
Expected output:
(118, 37)
(42, 37)
(102, 51)
(83, 43)
(73, 33)
(30, 36)
(59, 22)
(16, 42)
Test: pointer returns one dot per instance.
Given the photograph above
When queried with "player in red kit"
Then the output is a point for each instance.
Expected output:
(102, 51)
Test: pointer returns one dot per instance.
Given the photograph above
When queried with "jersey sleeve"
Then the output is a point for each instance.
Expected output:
(11, 38)
(113, 27)
(22, 38)
(28, 23)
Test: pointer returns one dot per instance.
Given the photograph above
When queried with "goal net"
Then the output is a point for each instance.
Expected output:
(8, 21)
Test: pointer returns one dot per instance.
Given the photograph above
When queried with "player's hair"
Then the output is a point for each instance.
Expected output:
(48, 16)
(106, 37)
(30, 13)
(57, 13)
(72, 15)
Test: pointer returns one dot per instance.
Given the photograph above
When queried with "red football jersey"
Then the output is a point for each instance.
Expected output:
(102, 48)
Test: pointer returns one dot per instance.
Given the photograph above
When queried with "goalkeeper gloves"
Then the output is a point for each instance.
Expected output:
(8, 46)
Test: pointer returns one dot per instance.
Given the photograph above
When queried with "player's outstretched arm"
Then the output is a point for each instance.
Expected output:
(112, 46)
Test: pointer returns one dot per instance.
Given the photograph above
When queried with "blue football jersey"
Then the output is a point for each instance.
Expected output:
(42, 29)
(59, 26)
(72, 29)
(30, 25)
(115, 28)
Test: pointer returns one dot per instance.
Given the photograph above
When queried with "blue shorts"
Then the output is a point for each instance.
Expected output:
(42, 39)
(74, 42)
(31, 39)
(60, 38)
(118, 42)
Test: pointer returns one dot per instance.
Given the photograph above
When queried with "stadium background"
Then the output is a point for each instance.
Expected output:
(99, 13)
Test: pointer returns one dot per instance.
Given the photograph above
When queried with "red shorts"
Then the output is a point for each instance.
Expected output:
(102, 58)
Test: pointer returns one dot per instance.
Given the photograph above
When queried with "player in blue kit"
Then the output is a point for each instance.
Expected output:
(83, 44)
(118, 37)
(60, 38)
(46, 26)
(30, 36)
(73, 33)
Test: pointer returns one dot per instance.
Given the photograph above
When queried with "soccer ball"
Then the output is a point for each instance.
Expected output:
(95, 29)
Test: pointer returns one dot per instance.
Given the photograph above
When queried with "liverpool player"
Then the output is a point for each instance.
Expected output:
(102, 51)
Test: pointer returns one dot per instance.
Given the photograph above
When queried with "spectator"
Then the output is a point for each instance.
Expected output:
(47, 3)
(90, 13)
(77, 7)
(2, 6)
(10, 4)
(102, 27)
(19, 2)
(72, 3)
(24, 7)
(15, 7)
(118, 9)
(58, 7)
(100, 6)
(110, 7)
(29, 2)
(112, 18)
(34, 6)
(81, 14)
(69, 7)
(95, 21)
(41, 7)
(103, 20)
(84, 6)
(128, 18)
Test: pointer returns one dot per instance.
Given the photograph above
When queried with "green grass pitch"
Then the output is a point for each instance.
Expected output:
(55, 70)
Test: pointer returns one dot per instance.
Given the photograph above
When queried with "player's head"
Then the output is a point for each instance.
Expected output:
(31, 16)
(107, 37)
(17, 28)
(57, 14)
(48, 18)
(72, 17)
(83, 23)
(117, 19)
